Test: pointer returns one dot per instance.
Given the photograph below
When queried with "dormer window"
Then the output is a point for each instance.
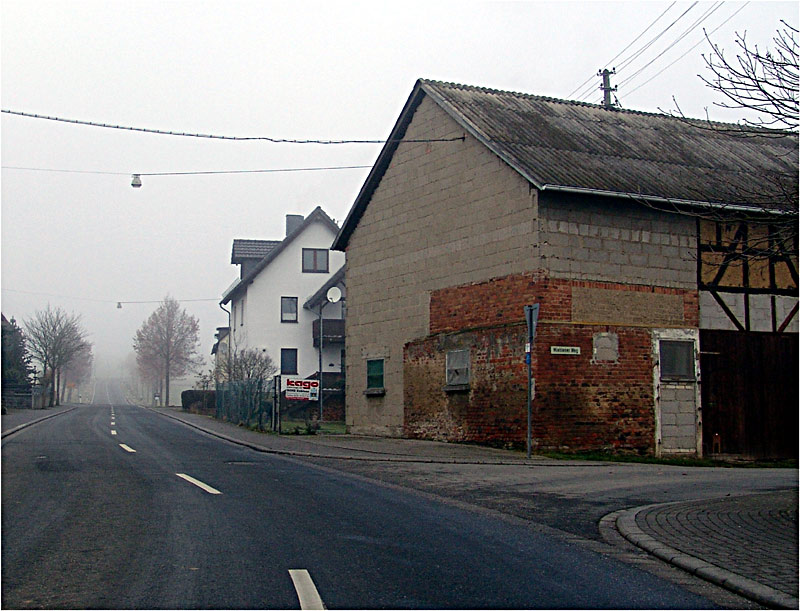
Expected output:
(315, 260)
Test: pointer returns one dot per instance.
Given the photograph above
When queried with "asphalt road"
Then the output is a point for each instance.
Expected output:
(113, 506)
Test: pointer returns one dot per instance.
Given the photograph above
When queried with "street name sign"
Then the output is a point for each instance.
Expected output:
(565, 350)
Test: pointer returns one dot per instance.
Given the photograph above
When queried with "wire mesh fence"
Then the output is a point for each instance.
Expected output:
(248, 403)
(263, 405)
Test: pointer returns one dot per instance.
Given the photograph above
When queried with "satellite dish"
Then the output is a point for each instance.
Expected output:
(334, 294)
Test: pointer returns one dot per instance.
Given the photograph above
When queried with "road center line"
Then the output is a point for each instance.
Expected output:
(113, 432)
(306, 590)
(127, 448)
(198, 483)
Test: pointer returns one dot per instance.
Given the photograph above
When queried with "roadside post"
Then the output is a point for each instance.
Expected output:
(531, 317)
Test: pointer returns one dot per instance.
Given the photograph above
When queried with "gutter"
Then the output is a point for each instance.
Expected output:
(665, 200)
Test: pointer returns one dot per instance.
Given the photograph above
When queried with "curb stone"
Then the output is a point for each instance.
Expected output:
(25, 425)
(385, 458)
(625, 522)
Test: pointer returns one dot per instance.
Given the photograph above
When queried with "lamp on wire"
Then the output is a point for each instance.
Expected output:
(137, 181)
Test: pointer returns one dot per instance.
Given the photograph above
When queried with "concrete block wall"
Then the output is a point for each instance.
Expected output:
(444, 213)
(449, 215)
(678, 417)
(604, 239)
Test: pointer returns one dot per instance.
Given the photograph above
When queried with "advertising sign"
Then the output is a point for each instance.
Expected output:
(299, 389)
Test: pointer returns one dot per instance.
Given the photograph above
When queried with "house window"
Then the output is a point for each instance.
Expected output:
(288, 309)
(457, 369)
(315, 260)
(677, 360)
(375, 374)
(288, 361)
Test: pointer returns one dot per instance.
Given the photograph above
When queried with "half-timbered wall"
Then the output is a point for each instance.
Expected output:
(747, 276)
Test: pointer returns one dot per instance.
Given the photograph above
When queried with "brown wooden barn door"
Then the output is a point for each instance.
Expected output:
(749, 390)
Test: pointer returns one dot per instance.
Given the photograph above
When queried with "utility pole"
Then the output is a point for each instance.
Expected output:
(606, 86)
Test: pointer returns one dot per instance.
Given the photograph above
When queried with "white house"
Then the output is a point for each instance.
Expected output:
(276, 279)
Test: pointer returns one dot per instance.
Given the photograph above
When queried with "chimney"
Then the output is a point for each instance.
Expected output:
(293, 221)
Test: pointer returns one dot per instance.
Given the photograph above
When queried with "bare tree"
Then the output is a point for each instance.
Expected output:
(246, 365)
(167, 342)
(762, 81)
(757, 227)
(76, 371)
(55, 339)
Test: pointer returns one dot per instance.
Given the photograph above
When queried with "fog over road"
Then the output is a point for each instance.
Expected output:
(114, 506)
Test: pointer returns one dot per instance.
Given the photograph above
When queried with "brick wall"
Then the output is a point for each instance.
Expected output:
(501, 300)
(587, 401)
(579, 404)
(617, 240)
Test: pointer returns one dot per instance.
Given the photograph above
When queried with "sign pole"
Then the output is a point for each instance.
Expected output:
(531, 317)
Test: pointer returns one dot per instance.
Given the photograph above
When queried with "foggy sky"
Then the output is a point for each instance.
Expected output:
(84, 240)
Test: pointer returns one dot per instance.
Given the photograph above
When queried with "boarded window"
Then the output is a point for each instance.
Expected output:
(457, 364)
(677, 360)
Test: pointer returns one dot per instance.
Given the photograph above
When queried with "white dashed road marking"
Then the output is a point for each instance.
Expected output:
(306, 590)
(198, 483)
(127, 448)
(113, 432)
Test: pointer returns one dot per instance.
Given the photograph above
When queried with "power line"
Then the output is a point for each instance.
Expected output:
(213, 136)
(98, 300)
(13, 167)
(193, 173)
(689, 51)
(691, 28)
(642, 33)
(636, 54)
(340, 167)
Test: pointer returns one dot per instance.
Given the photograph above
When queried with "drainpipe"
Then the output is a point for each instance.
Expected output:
(230, 339)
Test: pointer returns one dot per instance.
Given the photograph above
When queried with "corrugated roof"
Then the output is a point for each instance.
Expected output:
(574, 146)
(556, 143)
(251, 249)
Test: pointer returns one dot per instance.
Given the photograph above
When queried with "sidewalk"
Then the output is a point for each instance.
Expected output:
(18, 419)
(747, 544)
(352, 447)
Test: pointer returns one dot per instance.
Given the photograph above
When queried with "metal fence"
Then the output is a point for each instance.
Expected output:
(247, 403)
(260, 405)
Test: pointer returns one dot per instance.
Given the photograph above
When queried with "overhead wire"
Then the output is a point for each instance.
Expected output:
(692, 48)
(193, 173)
(710, 11)
(214, 136)
(611, 61)
(636, 54)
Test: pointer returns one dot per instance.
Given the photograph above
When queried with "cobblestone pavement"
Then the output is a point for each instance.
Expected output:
(746, 543)
(740, 533)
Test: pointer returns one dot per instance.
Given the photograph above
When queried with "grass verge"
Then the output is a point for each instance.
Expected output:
(678, 462)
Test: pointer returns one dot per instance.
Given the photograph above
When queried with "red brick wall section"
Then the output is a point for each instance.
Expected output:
(579, 404)
(500, 301)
